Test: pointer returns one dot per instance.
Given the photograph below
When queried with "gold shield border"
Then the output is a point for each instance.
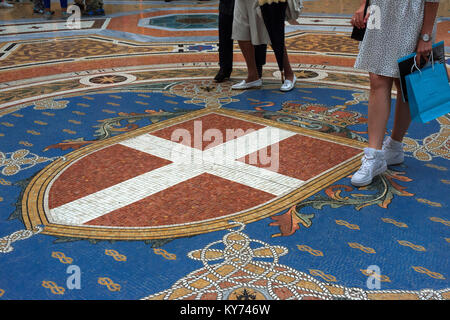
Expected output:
(33, 211)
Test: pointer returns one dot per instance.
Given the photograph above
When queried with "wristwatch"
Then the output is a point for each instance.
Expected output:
(425, 37)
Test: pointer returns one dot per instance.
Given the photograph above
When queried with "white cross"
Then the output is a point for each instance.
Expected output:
(187, 163)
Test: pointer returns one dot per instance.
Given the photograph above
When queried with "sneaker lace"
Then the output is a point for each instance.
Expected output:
(365, 165)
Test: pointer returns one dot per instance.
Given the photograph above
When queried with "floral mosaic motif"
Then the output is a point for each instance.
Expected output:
(358, 97)
(109, 127)
(13, 162)
(50, 104)
(108, 79)
(313, 116)
(382, 191)
(205, 93)
(239, 273)
(127, 121)
(306, 74)
(6, 242)
(336, 115)
(434, 145)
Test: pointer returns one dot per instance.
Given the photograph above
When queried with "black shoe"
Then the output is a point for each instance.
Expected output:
(222, 75)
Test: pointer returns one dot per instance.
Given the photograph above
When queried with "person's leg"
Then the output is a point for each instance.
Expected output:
(402, 118)
(288, 73)
(248, 51)
(100, 9)
(63, 4)
(47, 12)
(89, 7)
(393, 146)
(38, 6)
(242, 32)
(225, 47)
(260, 57)
(94, 8)
(289, 77)
(379, 109)
(373, 162)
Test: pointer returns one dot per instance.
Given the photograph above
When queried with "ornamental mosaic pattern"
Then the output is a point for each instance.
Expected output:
(12, 163)
(233, 270)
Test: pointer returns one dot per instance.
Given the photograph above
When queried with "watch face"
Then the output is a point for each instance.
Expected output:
(425, 37)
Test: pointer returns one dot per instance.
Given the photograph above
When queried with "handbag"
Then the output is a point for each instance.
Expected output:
(294, 9)
(428, 92)
(406, 65)
(357, 33)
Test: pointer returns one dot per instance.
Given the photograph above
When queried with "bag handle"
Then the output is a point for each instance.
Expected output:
(417, 67)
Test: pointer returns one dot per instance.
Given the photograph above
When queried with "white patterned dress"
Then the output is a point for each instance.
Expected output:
(400, 26)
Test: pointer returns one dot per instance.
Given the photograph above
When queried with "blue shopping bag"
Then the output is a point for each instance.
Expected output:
(428, 92)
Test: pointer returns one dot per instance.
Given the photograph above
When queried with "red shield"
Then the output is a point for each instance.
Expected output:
(185, 177)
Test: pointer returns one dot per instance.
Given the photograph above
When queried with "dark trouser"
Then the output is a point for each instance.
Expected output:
(62, 2)
(38, 4)
(226, 44)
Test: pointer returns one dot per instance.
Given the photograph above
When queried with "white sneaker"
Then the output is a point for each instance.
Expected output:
(247, 85)
(393, 151)
(373, 164)
(288, 85)
(6, 5)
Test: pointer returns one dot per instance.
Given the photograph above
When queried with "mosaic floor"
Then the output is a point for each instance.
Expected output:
(128, 173)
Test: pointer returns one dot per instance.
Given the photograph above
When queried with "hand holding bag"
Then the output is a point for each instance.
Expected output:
(428, 92)
(357, 33)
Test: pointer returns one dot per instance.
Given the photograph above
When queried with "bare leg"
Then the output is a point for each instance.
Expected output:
(402, 118)
(288, 73)
(248, 51)
(379, 108)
